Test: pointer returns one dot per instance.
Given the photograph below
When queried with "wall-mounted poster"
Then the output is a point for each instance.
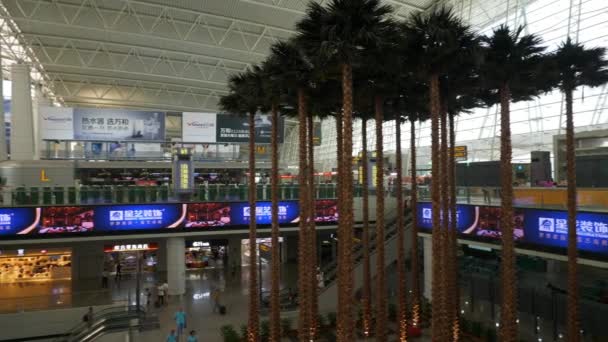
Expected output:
(199, 127)
(118, 125)
(235, 129)
(56, 123)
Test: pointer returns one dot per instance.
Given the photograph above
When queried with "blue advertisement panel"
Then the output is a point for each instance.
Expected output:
(240, 213)
(550, 228)
(532, 226)
(139, 217)
(118, 125)
(15, 221)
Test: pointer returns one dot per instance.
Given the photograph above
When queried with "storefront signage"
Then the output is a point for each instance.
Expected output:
(531, 226)
(241, 212)
(200, 244)
(131, 247)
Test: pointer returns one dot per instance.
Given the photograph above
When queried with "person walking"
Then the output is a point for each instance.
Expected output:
(161, 294)
(118, 272)
(192, 337)
(180, 321)
(104, 278)
(166, 292)
(148, 297)
(215, 296)
(172, 336)
(88, 317)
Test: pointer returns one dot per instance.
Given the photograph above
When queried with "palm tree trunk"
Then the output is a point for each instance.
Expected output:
(435, 109)
(345, 276)
(414, 211)
(402, 289)
(254, 313)
(445, 196)
(381, 304)
(303, 257)
(367, 278)
(454, 290)
(573, 305)
(275, 309)
(508, 317)
(314, 307)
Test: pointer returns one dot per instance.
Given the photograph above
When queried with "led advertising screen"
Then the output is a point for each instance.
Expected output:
(240, 213)
(326, 210)
(550, 228)
(66, 220)
(531, 226)
(202, 215)
(139, 217)
(15, 221)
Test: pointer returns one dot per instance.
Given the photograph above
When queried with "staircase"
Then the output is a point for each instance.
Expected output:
(328, 296)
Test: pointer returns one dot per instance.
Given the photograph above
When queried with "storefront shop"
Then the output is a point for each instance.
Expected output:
(127, 255)
(23, 265)
(206, 254)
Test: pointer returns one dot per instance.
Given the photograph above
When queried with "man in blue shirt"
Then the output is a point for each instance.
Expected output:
(192, 337)
(180, 320)
(172, 337)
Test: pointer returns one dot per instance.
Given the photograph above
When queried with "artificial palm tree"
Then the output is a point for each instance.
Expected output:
(511, 71)
(246, 97)
(437, 38)
(274, 93)
(574, 66)
(340, 33)
(294, 70)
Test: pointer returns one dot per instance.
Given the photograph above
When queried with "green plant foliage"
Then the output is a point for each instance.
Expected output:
(286, 324)
(332, 319)
(229, 334)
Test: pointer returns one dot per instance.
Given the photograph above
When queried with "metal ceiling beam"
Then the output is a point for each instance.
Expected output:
(137, 46)
(25, 22)
(81, 77)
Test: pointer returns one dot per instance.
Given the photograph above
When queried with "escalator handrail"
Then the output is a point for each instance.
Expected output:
(102, 316)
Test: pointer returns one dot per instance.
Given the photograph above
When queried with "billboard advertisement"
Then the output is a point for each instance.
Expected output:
(118, 125)
(202, 215)
(16, 221)
(57, 220)
(550, 228)
(139, 217)
(235, 129)
(56, 123)
(240, 213)
(537, 227)
(199, 127)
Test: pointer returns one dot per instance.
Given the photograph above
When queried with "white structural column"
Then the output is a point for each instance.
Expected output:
(427, 245)
(22, 123)
(3, 151)
(176, 266)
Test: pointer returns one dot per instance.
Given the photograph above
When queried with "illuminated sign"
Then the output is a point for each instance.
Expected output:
(131, 247)
(240, 212)
(200, 244)
(137, 217)
(143, 215)
(184, 175)
(538, 227)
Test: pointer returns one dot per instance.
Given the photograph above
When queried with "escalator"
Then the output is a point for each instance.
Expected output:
(111, 320)
(328, 296)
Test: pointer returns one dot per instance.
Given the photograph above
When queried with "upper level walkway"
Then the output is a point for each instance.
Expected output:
(590, 199)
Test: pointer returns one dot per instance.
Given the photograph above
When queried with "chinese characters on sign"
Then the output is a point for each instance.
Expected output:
(5, 222)
(129, 217)
(264, 212)
(184, 175)
(131, 247)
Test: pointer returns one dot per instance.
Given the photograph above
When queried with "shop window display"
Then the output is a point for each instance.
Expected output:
(20, 265)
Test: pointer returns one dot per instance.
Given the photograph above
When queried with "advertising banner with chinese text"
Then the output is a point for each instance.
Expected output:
(56, 123)
(199, 127)
(235, 129)
(118, 125)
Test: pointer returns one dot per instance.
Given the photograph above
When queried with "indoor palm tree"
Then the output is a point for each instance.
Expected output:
(245, 97)
(340, 33)
(294, 71)
(436, 37)
(274, 94)
(511, 72)
(574, 66)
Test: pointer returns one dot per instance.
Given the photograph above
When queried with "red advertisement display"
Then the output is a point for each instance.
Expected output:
(66, 220)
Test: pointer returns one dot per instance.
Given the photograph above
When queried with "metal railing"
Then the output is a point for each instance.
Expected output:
(62, 300)
(126, 155)
(549, 198)
(108, 194)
